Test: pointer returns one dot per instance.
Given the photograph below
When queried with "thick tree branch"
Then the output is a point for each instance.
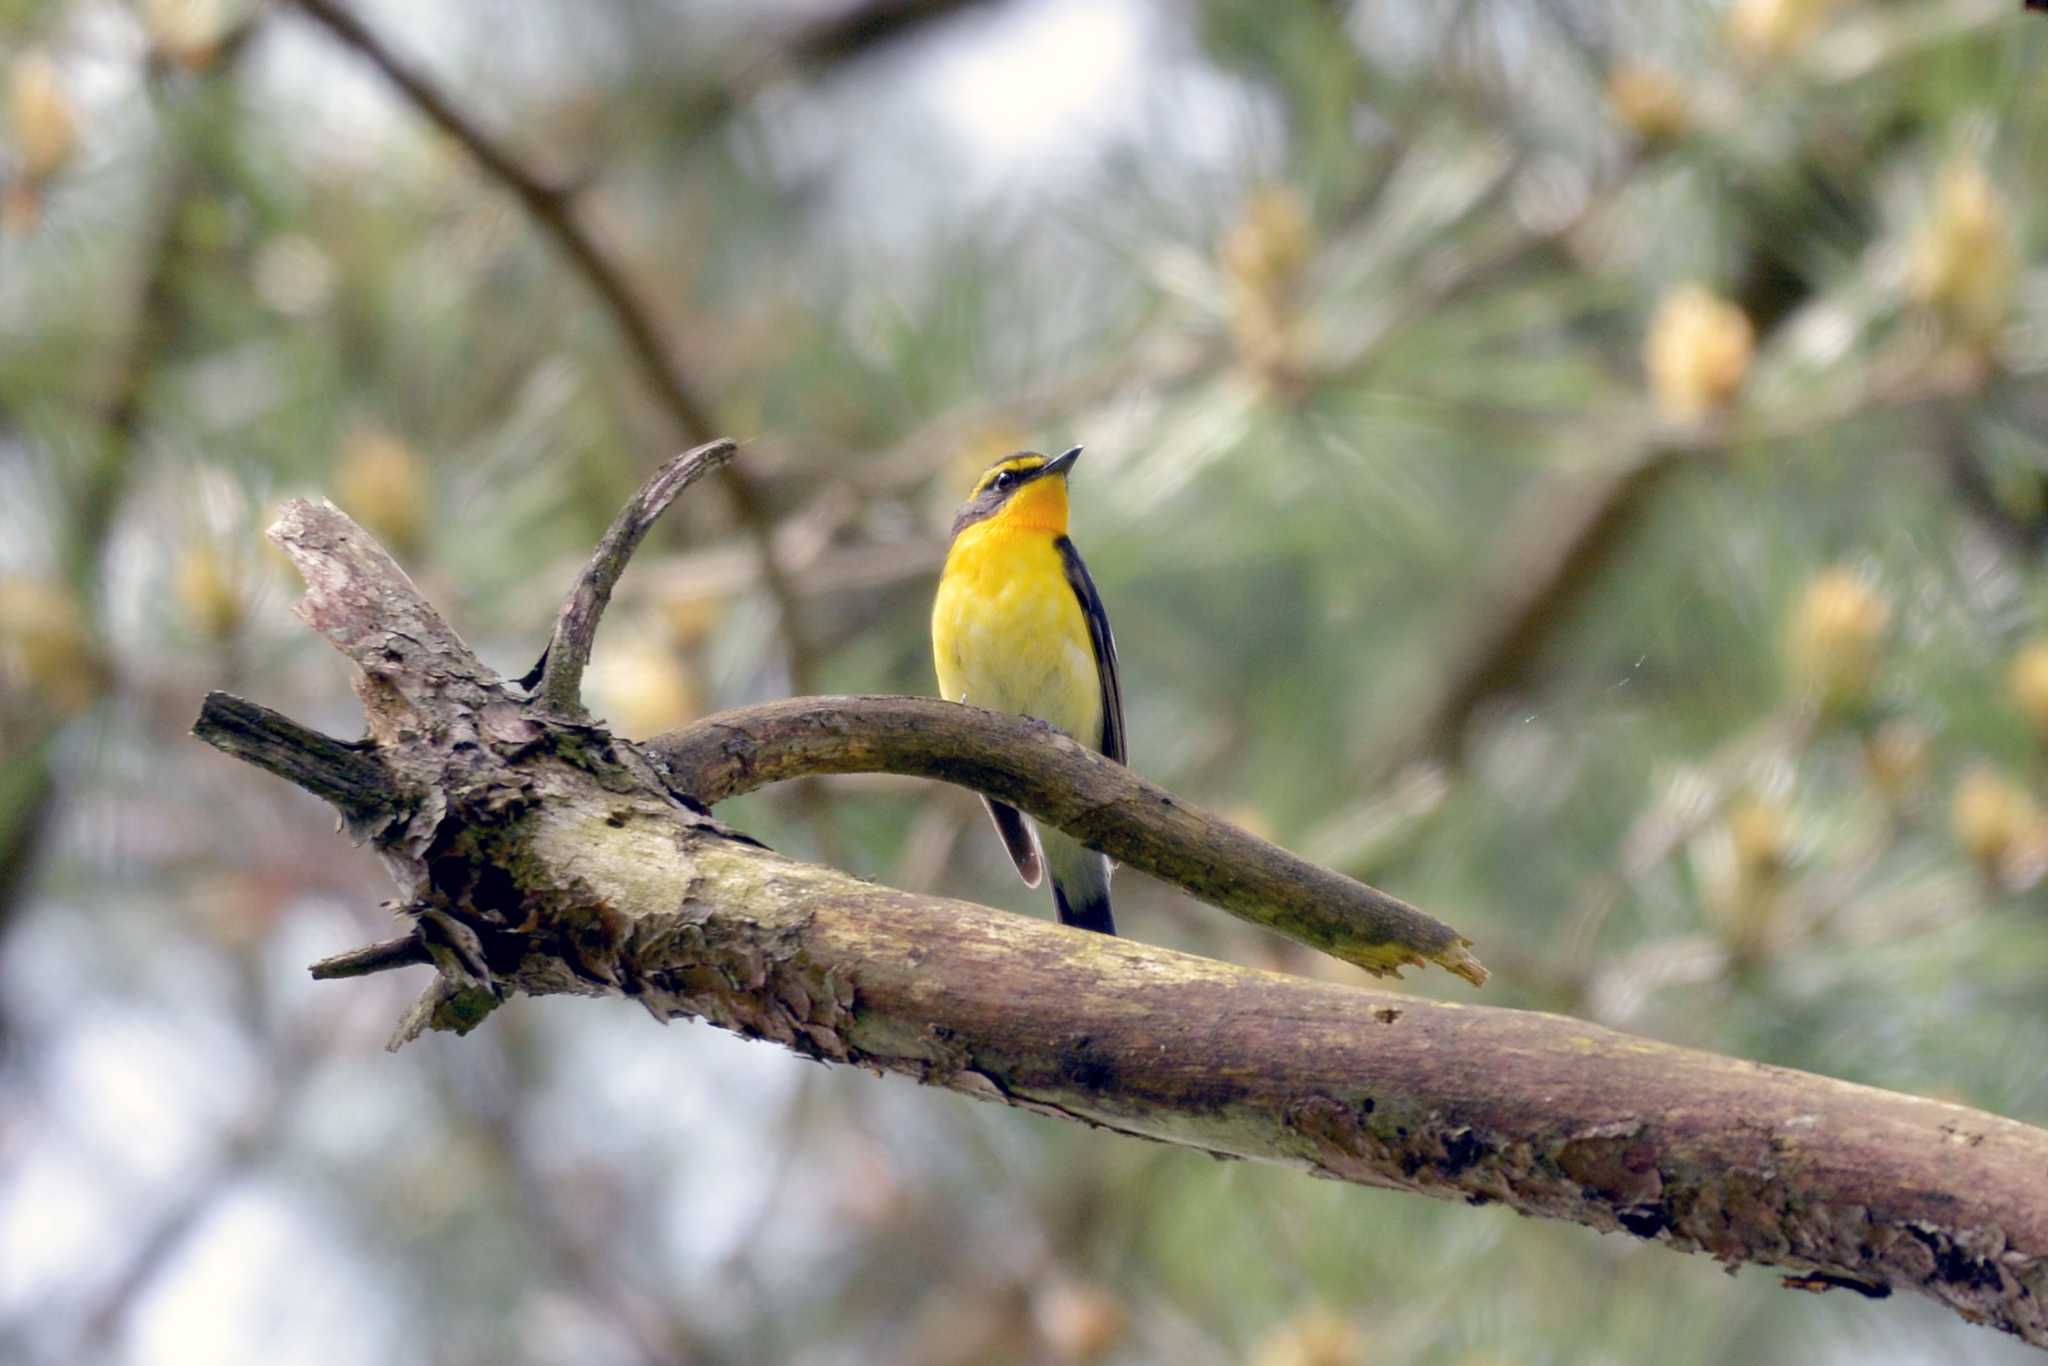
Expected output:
(560, 671)
(543, 856)
(1104, 805)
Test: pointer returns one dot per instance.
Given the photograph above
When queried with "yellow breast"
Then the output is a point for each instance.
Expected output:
(1008, 634)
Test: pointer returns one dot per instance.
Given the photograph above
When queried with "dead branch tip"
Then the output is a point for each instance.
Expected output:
(557, 679)
(403, 952)
(345, 775)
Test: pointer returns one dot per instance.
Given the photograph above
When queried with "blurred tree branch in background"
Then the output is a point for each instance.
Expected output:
(553, 208)
(1569, 529)
(814, 47)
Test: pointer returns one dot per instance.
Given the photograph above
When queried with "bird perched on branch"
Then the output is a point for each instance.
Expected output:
(1019, 627)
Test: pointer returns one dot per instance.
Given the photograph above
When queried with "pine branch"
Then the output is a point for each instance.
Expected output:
(1566, 535)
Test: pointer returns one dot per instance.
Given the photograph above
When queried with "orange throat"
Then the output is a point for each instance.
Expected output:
(1040, 505)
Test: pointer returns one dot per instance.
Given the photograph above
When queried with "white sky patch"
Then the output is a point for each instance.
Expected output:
(258, 1281)
(55, 1215)
(1041, 80)
(995, 107)
(701, 1091)
(124, 1076)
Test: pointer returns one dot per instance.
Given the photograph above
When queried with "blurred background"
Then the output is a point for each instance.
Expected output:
(1577, 465)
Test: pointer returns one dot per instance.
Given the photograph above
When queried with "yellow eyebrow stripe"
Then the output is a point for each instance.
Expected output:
(1015, 464)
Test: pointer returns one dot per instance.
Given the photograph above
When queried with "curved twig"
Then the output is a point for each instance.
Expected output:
(559, 674)
(1103, 804)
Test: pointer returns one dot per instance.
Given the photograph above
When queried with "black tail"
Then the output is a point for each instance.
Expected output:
(1016, 838)
(1091, 913)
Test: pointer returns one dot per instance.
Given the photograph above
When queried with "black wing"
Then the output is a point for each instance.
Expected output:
(1112, 745)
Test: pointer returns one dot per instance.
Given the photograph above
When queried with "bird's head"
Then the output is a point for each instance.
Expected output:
(1023, 492)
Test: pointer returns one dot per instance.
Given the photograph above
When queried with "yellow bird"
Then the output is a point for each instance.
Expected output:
(1019, 627)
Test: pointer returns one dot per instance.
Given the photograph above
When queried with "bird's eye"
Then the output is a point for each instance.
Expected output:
(1004, 480)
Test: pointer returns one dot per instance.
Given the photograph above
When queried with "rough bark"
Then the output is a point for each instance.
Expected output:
(539, 854)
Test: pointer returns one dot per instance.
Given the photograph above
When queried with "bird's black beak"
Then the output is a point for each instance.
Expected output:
(1061, 464)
